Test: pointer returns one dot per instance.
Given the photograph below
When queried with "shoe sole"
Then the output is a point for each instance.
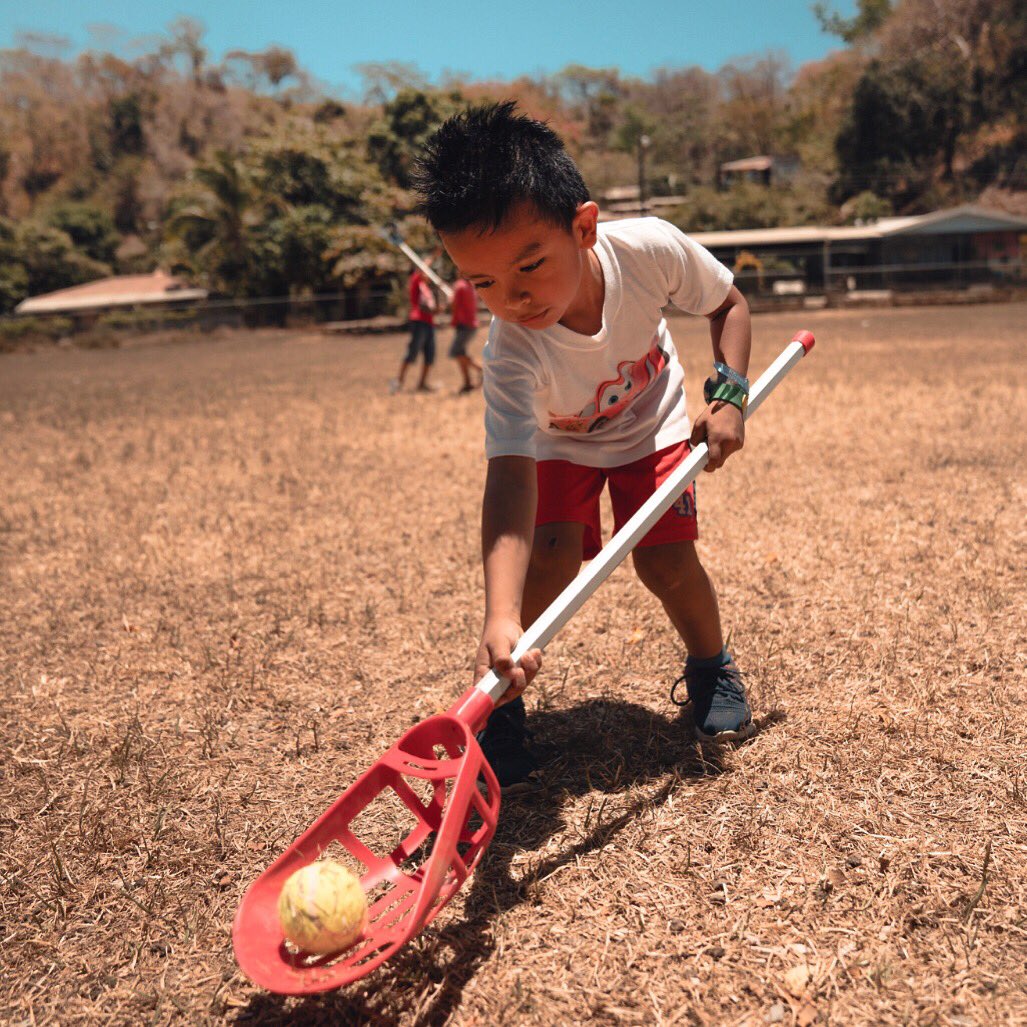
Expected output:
(528, 787)
(747, 730)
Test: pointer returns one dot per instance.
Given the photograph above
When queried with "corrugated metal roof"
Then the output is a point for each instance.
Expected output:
(761, 163)
(968, 218)
(119, 291)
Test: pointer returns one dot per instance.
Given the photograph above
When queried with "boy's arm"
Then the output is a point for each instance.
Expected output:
(731, 332)
(507, 530)
(721, 424)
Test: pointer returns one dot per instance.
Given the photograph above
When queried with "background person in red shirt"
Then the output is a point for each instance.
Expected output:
(465, 324)
(422, 331)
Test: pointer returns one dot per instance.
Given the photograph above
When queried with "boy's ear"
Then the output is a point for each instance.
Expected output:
(584, 225)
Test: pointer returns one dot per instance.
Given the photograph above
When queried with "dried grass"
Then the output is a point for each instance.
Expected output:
(233, 572)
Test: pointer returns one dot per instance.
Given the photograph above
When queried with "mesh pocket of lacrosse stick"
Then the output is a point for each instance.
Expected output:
(436, 782)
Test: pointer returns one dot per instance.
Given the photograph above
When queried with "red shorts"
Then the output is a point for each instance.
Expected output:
(568, 492)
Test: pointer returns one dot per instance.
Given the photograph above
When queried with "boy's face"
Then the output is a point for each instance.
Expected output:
(528, 271)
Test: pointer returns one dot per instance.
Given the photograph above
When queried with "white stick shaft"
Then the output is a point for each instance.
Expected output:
(571, 599)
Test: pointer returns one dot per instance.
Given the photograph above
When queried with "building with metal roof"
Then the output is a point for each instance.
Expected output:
(114, 293)
(960, 246)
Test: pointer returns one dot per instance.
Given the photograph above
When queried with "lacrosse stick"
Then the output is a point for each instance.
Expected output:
(439, 774)
(392, 235)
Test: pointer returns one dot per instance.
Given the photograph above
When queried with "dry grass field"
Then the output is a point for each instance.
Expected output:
(233, 571)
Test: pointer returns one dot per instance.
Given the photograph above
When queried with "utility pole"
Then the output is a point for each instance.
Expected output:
(643, 145)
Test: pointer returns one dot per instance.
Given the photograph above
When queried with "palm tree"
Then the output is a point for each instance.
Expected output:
(217, 221)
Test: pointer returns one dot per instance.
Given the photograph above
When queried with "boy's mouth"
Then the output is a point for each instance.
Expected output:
(533, 318)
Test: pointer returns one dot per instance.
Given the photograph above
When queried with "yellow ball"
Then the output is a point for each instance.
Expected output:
(322, 908)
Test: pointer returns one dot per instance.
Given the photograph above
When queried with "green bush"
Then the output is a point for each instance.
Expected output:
(746, 205)
(146, 319)
(89, 227)
(25, 332)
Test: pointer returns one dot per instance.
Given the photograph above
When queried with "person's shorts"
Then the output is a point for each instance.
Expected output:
(422, 340)
(568, 492)
(461, 337)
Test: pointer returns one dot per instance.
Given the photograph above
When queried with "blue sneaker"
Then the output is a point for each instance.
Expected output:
(504, 741)
(717, 698)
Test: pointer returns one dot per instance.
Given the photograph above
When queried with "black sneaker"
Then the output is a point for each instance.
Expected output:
(504, 741)
(717, 696)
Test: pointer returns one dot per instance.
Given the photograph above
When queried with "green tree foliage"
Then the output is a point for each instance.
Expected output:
(215, 221)
(309, 169)
(595, 96)
(890, 133)
(870, 16)
(14, 279)
(89, 227)
(407, 120)
(125, 124)
(934, 115)
(866, 207)
(268, 223)
(50, 259)
(707, 209)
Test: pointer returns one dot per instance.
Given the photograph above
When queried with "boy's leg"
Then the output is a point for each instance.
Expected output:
(555, 560)
(458, 351)
(428, 351)
(668, 565)
(413, 348)
(673, 573)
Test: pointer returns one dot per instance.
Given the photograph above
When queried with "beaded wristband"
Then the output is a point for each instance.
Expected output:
(725, 392)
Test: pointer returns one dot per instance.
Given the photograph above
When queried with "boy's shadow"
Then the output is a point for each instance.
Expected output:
(602, 745)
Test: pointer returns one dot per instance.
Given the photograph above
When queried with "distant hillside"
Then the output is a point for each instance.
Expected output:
(248, 178)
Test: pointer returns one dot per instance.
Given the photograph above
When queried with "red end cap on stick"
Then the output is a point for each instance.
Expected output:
(806, 338)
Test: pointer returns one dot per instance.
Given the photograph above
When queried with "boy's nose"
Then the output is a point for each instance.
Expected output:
(518, 300)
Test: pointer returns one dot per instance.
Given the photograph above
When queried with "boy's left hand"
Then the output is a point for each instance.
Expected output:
(722, 427)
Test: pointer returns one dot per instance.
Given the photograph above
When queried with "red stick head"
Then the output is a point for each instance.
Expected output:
(436, 783)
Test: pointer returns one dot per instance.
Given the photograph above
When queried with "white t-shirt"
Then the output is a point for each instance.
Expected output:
(612, 398)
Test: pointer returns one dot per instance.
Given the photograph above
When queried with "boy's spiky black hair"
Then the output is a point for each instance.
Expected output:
(481, 162)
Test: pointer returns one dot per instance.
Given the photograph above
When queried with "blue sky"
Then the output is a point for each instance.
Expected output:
(487, 40)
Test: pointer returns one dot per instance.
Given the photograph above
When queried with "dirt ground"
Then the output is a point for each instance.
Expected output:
(235, 570)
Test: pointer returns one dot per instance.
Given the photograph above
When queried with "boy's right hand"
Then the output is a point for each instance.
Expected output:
(498, 639)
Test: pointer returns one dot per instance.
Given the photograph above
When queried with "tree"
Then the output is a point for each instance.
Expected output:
(744, 205)
(50, 259)
(595, 96)
(407, 120)
(866, 207)
(125, 124)
(271, 66)
(186, 42)
(870, 16)
(216, 222)
(305, 168)
(89, 227)
(14, 279)
(383, 80)
(682, 106)
(290, 250)
(753, 104)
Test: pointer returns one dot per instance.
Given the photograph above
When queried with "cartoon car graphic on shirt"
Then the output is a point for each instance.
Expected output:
(615, 396)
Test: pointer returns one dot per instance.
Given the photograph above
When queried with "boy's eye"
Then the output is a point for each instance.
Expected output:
(532, 267)
(482, 285)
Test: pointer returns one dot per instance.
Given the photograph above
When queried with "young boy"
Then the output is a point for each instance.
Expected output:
(582, 387)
